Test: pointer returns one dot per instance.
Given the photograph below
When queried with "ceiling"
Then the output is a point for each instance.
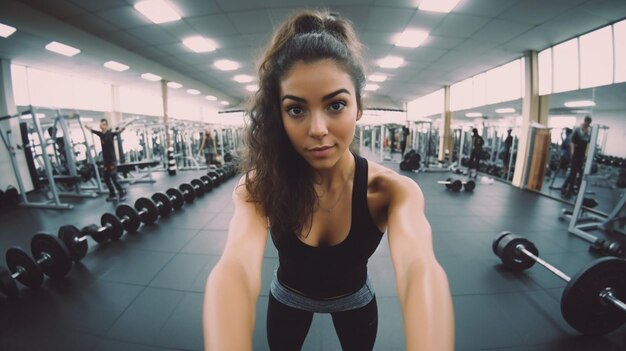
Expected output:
(476, 36)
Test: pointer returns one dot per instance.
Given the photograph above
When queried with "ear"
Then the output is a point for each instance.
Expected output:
(359, 114)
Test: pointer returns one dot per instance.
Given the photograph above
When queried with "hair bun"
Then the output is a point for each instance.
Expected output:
(308, 23)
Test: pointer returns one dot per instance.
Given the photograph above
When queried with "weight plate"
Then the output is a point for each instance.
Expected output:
(7, 283)
(150, 210)
(93, 231)
(449, 183)
(163, 204)
(198, 186)
(217, 180)
(507, 251)
(188, 193)
(31, 276)
(494, 244)
(129, 218)
(470, 185)
(581, 304)
(115, 228)
(456, 186)
(176, 197)
(69, 234)
(208, 183)
(59, 263)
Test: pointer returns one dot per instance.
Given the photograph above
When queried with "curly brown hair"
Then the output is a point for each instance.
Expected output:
(283, 181)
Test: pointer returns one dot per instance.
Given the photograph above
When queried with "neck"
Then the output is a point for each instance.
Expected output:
(336, 177)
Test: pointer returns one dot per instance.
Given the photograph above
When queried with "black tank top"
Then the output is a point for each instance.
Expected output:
(332, 271)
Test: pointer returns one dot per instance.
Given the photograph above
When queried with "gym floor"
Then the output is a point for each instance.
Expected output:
(145, 292)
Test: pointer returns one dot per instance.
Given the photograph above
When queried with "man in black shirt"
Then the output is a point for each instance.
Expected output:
(107, 137)
(579, 139)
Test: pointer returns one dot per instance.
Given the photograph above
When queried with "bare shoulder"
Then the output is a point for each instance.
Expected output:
(390, 184)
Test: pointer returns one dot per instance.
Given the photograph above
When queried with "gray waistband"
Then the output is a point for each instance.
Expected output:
(291, 298)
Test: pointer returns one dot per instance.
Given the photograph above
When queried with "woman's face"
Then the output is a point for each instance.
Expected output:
(319, 111)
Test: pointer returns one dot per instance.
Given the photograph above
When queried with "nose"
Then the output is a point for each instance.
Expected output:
(318, 128)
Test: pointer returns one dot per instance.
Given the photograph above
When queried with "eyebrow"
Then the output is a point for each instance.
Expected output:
(324, 98)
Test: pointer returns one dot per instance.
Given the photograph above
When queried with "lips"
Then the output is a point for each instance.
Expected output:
(319, 148)
(320, 151)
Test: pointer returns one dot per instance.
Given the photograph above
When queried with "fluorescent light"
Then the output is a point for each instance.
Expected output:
(193, 91)
(86, 119)
(157, 11)
(151, 77)
(505, 110)
(174, 85)
(371, 87)
(252, 88)
(473, 114)
(444, 6)
(210, 98)
(6, 31)
(199, 44)
(377, 77)
(62, 49)
(243, 78)
(411, 38)
(226, 65)
(116, 66)
(224, 102)
(581, 103)
(391, 62)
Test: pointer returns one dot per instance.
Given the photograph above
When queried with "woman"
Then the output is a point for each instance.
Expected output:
(299, 174)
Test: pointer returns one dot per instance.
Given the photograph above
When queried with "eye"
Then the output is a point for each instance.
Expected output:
(337, 106)
(295, 111)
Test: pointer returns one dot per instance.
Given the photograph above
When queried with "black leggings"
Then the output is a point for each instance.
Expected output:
(287, 327)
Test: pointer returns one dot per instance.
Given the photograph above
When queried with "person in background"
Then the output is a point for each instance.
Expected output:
(325, 208)
(477, 150)
(579, 140)
(208, 147)
(109, 170)
(404, 134)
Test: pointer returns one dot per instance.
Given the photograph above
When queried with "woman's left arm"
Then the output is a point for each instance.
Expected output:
(422, 284)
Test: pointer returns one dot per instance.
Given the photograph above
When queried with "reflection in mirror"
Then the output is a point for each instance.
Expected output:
(607, 179)
(498, 125)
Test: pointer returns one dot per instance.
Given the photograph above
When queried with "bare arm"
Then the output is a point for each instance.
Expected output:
(422, 284)
(234, 284)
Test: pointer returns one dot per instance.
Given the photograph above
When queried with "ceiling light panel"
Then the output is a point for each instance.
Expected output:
(6, 30)
(581, 103)
(116, 66)
(377, 78)
(174, 85)
(151, 77)
(199, 44)
(211, 98)
(157, 11)
(391, 62)
(443, 6)
(193, 91)
(226, 65)
(411, 38)
(243, 78)
(252, 88)
(62, 49)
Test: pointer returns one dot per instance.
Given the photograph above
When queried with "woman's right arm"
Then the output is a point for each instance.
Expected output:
(234, 283)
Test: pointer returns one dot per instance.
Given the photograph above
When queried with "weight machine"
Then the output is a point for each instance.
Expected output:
(54, 202)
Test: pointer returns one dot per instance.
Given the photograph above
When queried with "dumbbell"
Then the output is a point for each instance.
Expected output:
(163, 203)
(456, 185)
(217, 179)
(129, 217)
(176, 197)
(208, 183)
(52, 259)
(593, 300)
(148, 210)
(191, 190)
(75, 240)
(606, 247)
(219, 171)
